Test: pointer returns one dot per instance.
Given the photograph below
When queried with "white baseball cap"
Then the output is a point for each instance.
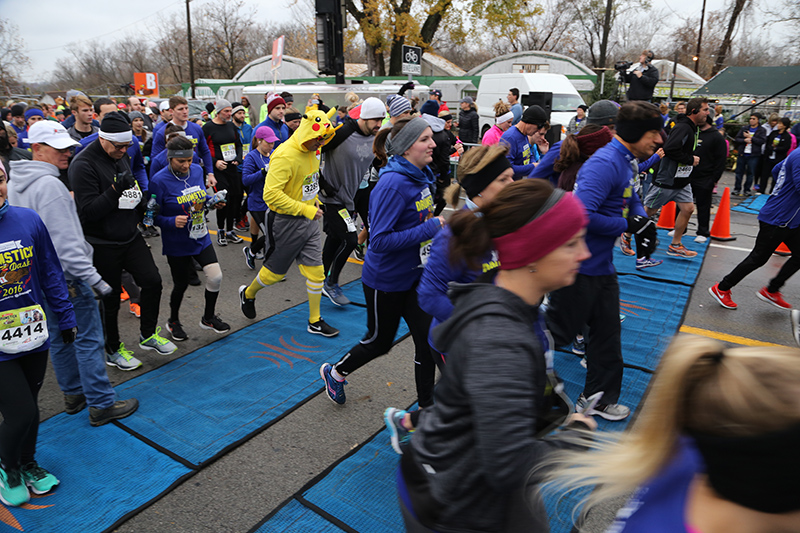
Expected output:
(50, 133)
(163, 106)
(373, 108)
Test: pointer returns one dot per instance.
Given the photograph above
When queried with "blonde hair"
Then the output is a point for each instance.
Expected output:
(700, 386)
(78, 100)
(352, 101)
(501, 108)
(474, 160)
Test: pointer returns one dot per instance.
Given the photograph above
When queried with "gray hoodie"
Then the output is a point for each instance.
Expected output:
(35, 185)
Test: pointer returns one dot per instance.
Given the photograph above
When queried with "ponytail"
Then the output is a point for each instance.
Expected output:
(379, 146)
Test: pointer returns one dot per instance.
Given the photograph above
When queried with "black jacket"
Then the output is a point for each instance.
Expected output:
(678, 151)
(479, 440)
(441, 159)
(92, 174)
(468, 126)
(780, 148)
(712, 151)
(641, 88)
(759, 138)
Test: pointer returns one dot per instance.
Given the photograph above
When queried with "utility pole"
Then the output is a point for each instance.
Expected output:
(674, 71)
(700, 38)
(191, 50)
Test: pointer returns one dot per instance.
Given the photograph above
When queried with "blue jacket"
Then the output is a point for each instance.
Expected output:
(438, 273)
(520, 153)
(135, 154)
(400, 229)
(193, 132)
(605, 186)
(544, 169)
(253, 179)
(246, 135)
(280, 129)
(783, 205)
(160, 161)
(29, 268)
(179, 197)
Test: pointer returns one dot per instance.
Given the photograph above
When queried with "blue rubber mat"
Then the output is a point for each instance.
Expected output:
(207, 400)
(296, 518)
(672, 269)
(751, 205)
(104, 473)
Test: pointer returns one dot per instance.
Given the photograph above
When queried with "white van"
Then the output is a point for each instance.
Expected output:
(495, 87)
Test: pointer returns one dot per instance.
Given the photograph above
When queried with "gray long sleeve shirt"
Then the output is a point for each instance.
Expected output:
(346, 163)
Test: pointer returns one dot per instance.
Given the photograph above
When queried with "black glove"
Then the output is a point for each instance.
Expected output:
(124, 181)
(263, 172)
(638, 224)
(406, 86)
(68, 335)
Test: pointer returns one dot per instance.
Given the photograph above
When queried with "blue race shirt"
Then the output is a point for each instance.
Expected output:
(520, 154)
(783, 205)
(180, 196)
(253, 179)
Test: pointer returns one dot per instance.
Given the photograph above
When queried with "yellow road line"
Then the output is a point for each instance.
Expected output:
(726, 337)
(248, 239)
(355, 261)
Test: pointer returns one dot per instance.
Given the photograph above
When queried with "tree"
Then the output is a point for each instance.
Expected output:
(15, 58)
(597, 20)
(725, 45)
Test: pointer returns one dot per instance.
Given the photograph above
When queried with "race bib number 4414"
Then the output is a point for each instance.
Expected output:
(22, 330)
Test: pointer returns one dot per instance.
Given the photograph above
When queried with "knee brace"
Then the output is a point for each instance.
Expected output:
(314, 274)
(266, 277)
(213, 274)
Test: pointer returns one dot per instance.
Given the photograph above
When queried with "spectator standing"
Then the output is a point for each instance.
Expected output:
(750, 144)
(516, 106)
(468, 121)
(642, 79)
(578, 121)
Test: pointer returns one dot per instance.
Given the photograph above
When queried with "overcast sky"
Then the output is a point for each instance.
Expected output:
(48, 26)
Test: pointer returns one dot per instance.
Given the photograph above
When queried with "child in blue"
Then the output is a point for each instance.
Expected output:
(254, 174)
(180, 192)
(29, 269)
(402, 226)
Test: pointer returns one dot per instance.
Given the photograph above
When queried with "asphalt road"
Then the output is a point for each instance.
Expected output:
(238, 490)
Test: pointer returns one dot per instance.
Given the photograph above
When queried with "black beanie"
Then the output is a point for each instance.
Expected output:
(115, 122)
(18, 110)
(534, 115)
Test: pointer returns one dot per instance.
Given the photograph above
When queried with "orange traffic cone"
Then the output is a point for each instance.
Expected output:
(782, 250)
(721, 229)
(667, 218)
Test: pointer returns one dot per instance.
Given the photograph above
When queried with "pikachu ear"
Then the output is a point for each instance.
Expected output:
(331, 112)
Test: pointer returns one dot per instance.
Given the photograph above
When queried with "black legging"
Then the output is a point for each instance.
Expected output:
(257, 242)
(179, 266)
(229, 215)
(339, 242)
(20, 381)
(384, 310)
(769, 237)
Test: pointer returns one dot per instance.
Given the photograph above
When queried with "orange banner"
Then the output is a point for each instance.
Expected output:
(146, 84)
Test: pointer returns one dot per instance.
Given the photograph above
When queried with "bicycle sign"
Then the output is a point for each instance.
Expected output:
(412, 60)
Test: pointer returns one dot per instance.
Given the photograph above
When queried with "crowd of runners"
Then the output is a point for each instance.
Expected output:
(523, 266)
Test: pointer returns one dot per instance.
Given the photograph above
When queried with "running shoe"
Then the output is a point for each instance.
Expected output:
(242, 225)
(700, 239)
(222, 239)
(671, 233)
(736, 193)
(215, 324)
(13, 490)
(136, 310)
(794, 317)
(360, 251)
(679, 250)
(334, 293)
(609, 411)
(249, 258)
(625, 244)
(320, 327)
(775, 298)
(722, 297)
(157, 342)
(621, 318)
(120, 409)
(74, 403)
(646, 262)
(150, 231)
(233, 238)
(398, 434)
(248, 305)
(334, 389)
(579, 345)
(123, 296)
(260, 257)
(123, 359)
(176, 331)
(37, 479)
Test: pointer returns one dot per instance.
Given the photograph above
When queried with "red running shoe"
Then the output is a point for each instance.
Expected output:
(774, 298)
(723, 297)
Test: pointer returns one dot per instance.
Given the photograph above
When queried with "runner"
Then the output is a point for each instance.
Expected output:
(107, 197)
(180, 192)
(467, 465)
(225, 143)
(275, 108)
(502, 121)
(778, 221)
(29, 269)
(401, 212)
(290, 192)
(254, 175)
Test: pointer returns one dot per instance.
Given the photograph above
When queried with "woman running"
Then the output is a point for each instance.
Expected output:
(29, 269)
(180, 192)
(503, 118)
(254, 174)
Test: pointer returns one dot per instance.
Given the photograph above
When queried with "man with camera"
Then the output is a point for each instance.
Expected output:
(642, 79)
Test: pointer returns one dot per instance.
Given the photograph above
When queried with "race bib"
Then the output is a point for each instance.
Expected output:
(245, 148)
(196, 196)
(197, 225)
(130, 198)
(22, 330)
(683, 171)
(425, 252)
(348, 220)
(228, 151)
(310, 187)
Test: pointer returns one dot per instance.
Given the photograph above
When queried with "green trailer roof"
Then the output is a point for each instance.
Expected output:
(756, 81)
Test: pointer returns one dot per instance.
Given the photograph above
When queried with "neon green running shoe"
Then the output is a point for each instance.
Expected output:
(157, 343)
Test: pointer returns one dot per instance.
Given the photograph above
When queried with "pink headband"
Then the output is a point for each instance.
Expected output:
(543, 234)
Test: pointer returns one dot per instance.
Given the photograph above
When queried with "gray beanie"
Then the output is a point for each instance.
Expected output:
(221, 104)
(135, 114)
(401, 141)
(603, 113)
